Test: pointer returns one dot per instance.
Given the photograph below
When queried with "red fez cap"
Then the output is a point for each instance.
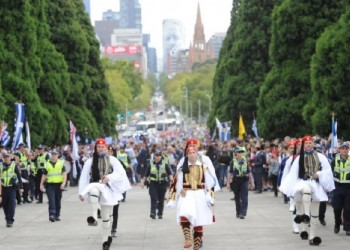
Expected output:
(291, 143)
(308, 138)
(101, 141)
(192, 142)
(299, 141)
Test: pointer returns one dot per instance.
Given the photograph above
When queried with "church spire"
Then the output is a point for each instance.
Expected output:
(198, 28)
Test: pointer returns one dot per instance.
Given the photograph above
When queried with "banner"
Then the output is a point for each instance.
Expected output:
(19, 124)
(241, 128)
(225, 134)
(28, 140)
(255, 128)
(4, 134)
(334, 143)
(75, 148)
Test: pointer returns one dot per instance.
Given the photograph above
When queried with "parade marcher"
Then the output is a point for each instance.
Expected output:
(292, 148)
(55, 177)
(40, 160)
(194, 187)
(241, 176)
(102, 183)
(10, 182)
(341, 193)
(158, 173)
(309, 179)
(258, 164)
(21, 160)
(124, 158)
(223, 161)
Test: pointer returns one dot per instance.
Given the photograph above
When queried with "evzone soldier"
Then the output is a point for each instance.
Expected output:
(193, 187)
(102, 183)
(293, 148)
(309, 179)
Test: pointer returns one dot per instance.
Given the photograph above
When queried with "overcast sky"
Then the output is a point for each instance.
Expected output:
(216, 16)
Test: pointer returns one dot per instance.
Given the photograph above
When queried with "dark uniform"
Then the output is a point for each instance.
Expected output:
(240, 183)
(10, 182)
(40, 161)
(341, 193)
(55, 177)
(158, 172)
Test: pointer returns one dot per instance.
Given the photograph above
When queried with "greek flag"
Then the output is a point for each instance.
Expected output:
(255, 128)
(75, 148)
(225, 134)
(19, 124)
(334, 144)
(4, 135)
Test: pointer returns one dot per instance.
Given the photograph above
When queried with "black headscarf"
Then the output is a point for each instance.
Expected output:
(95, 173)
(301, 162)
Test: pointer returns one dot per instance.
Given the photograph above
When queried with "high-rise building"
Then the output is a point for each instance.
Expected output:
(173, 40)
(152, 59)
(87, 7)
(214, 45)
(130, 14)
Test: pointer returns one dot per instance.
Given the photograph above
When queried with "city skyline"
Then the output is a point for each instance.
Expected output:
(155, 11)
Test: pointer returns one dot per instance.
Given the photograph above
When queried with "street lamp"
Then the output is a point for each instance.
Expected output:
(209, 97)
(186, 96)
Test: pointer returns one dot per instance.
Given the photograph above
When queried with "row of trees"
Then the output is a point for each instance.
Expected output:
(286, 62)
(50, 60)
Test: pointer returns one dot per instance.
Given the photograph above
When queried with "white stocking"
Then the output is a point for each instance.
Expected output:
(314, 218)
(106, 212)
(306, 199)
(94, 198)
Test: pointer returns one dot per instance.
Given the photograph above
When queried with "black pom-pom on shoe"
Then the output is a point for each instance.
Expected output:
(315, 241)
(304, 235)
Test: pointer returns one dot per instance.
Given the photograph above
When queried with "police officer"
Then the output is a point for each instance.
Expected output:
(341, 193)
(40, 160)
(157, 172)
(22, 163)
(241, 176)
(55, 177)
(10, 181)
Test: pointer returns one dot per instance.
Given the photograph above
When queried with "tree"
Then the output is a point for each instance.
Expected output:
(330, 67)
(296, 25)
(247, 62)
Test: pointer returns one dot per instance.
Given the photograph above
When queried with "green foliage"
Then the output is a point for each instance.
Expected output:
(49, 60)
(296, 25)
(330, 67)
(198, 84)
(240, 75)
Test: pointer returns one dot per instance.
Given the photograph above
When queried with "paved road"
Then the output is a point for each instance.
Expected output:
(267, 226)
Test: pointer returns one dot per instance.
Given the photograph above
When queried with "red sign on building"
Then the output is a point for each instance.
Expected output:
(123, 50)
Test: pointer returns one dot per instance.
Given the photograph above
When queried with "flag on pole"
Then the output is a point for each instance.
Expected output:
(255, 128)
(241, 128)
(4, 134)
(334, 143)
(3, 127)
(226, 131)
(219, 127)
(28, 140)
(75, 149)
(19, 124)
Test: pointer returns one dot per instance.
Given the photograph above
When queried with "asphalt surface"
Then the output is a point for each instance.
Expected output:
(267, 226)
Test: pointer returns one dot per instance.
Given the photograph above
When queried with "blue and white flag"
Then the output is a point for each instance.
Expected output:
(19, 124)
(225, 134)
(28, 139)
(255, 128)
(5, 137)
(334, 144)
